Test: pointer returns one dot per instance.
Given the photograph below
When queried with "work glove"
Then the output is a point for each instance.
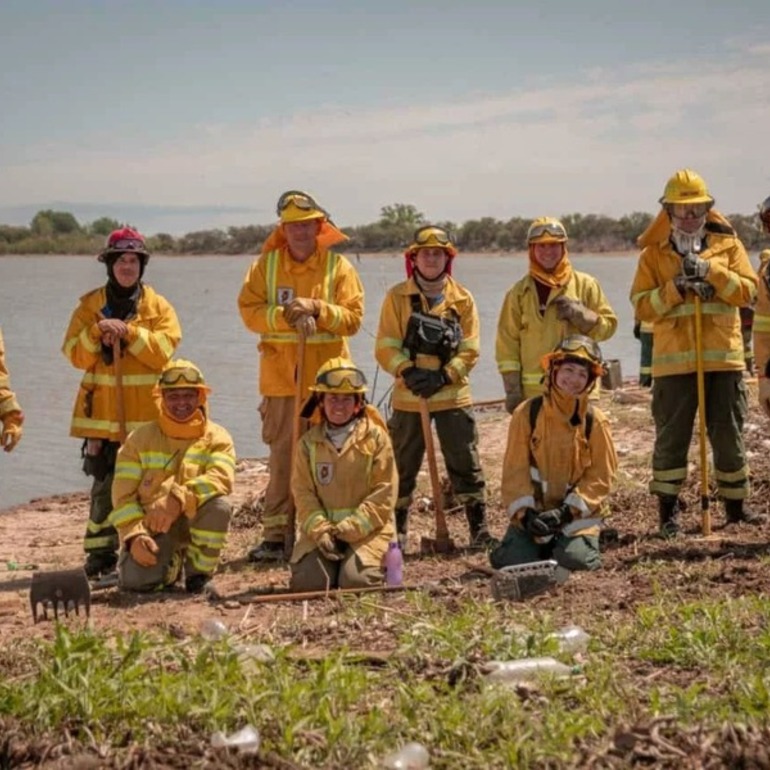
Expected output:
(414, 378)
(576, 313)
(348, 530)
(555, 518)
(432, 382)
(638, 330)
(300, 306)
(143, 550)
(328, 547)
(513, 392)
(533, 525)
(306, 326)
(702, 288)
(764, 395)
(162, 513)
(695, 267)
(11, 435)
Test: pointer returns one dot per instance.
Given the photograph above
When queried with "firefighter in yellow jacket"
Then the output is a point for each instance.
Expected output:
(428, 339)
(297, 288)
(761, 328)
(560, 465)
(108, 407)
(172, 479)
(550, 302)
(344, 485)
(11, 415)
(689, 251)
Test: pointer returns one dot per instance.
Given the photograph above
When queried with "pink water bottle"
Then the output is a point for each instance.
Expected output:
(394, 565)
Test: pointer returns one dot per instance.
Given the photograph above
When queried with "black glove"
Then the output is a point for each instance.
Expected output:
(702, 288)
(555, 519)
(533, 525)
(638, 330)
(695, 267)
(414, 378)
(432, 383)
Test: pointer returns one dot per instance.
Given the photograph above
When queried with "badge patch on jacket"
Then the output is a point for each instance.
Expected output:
(324, 472)
(285, 294)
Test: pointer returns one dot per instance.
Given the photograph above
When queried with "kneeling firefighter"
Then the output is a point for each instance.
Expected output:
(428, 339)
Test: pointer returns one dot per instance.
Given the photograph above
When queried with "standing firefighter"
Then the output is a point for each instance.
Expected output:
(762, 315)
(691, 251)
(551, 301)
(11, 415)
(344, 485)
(556, 489)
(169, 493)
(115, 394)
(428, 339)
(296, 290)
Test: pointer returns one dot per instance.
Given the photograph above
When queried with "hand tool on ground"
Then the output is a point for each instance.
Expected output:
(704, 468)
(331, 594)
(120, 404)
(288, 539)
(64, 590)
(442, 543)
(522, 581)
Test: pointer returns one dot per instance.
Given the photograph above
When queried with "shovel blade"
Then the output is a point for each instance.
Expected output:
(63, 590)
(429, 545)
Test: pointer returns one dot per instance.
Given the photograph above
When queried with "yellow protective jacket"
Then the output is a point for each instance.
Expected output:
(275, 279)
(556, 464)
(8, 402)
(152, 465)
(655, 298)
(153, 334)
(359, 482)
(761, 328)
(391, 355)
(525, 335)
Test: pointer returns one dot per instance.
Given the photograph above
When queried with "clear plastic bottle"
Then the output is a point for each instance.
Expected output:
(394, 565)
(526, 669)
(213, 629)
(246, 740)
(412, 756)
(571, 639)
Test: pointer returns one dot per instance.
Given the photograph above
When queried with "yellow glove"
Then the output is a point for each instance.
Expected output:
(301, 306)
(348, 530)
(306, 326)
(764, 395)
(328, 548)
(11, 435)
(162, 513)
(143, 549)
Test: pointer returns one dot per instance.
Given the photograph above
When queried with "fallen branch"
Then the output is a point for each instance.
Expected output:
(288, 596)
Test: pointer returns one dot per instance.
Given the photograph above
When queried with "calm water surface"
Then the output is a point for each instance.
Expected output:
(38, 295)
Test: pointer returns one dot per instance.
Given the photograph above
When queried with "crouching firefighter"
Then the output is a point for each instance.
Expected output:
(556, 490)
(169, 494)
(344, 486)
(428, 339)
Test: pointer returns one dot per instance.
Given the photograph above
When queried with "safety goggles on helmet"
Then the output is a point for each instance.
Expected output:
(186, 374)
(432, 236)
(577, 342)
(300, 199)
(689, 210)
(342, 378)
(127, 244)
(541, 229)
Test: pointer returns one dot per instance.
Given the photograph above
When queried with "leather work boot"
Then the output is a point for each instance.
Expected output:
(100, 563)
(402, 519)
(668, 510)
(736, 511)
(476, 514)
(267, 550)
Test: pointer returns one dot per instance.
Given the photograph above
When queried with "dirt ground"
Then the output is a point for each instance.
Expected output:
(47, 534)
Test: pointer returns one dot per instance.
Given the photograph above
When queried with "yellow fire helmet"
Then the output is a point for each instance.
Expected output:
(576, 347)
(686, 186)
(546, 230)
(339, 375)
(181, 373)
(299, 206)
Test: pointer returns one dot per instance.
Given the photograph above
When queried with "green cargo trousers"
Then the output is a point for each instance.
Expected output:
(579, 552)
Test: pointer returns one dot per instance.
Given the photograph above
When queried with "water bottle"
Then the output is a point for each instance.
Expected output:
(213, 629)
(394, 565)
(571, 639)
(413, 756)
(246, 740)
(526, 669)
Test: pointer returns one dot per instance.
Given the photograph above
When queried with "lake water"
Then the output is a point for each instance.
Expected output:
(38, 295)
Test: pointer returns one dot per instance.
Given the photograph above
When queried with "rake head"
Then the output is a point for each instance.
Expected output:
(60, 590)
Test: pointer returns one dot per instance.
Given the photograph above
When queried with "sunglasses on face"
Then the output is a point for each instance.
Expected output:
(689, 210)
(341, 378)
(127, 244)
(426, 235)
(553, 229)
(173, 376)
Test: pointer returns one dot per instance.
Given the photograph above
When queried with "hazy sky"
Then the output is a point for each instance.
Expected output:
(465, 109)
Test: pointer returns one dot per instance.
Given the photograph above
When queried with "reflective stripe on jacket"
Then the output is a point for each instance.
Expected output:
(358, 482)
(391, 355)
(525, 335)
(153, 334)
(151, 465)
(275, 279)
(568, 468)
(656, 298)
(8, 402)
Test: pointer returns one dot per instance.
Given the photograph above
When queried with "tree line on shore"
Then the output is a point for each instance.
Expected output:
(59, 232)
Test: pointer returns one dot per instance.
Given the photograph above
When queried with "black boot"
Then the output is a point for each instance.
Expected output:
(668, 510)
(735, 511)
(476, 514)
(402, 519)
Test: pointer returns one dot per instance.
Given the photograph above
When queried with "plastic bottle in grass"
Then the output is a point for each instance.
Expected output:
(413, 756)
(571, 639)
(394, 565)
(526, 669)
